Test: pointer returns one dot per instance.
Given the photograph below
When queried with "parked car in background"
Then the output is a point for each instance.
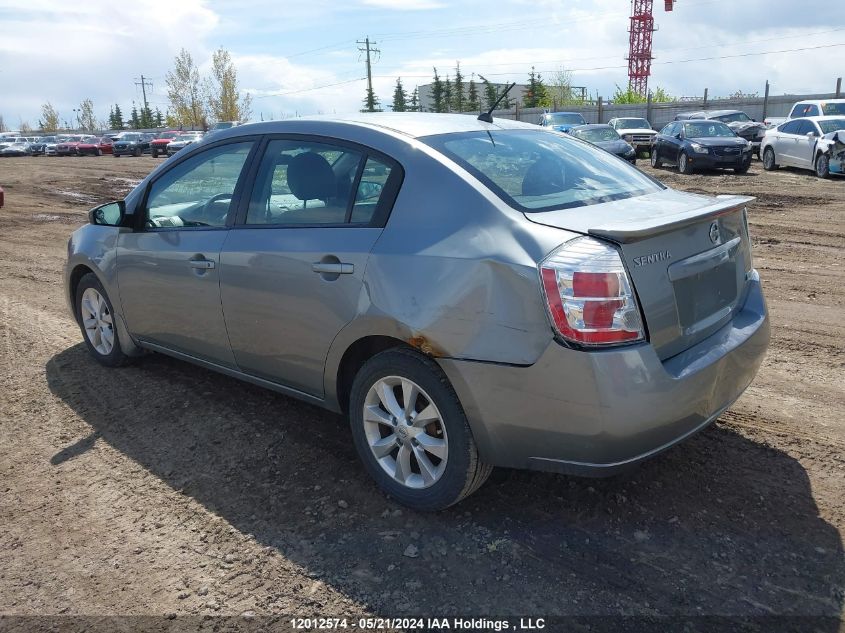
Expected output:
(182, 141)
(19, 147)
(637, 132)
(607, 138)
(39, 147)
(816, 143)
(223, 125)
(742, 124)
(701, 144)
(159, 143)
(91, 146)
(106, 144)
(817, 107)
(11, 140)
(561, 121)
(67, 145)
(606, 319)
(131, 144)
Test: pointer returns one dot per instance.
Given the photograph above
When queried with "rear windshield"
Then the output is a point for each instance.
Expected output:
(540, 171)
(560, 118)
(829, 109)
(631, 124)
(735, 117)
(832, 126)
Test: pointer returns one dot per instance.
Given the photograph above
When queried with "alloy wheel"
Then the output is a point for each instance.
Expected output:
(405, 432)
(97, 321)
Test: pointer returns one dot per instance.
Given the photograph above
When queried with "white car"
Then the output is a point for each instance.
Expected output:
(808, 108)
(636, 132)
(816, 143)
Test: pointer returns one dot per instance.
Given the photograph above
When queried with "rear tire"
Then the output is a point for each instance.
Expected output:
(823, 166)
(683, 164)
(137, 152)
(769, 160)
(96, 318)
(423, 480)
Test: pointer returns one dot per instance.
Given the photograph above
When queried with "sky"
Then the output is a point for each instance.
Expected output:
(301, 57)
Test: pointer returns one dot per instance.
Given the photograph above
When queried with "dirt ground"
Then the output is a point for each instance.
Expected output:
(163, 488)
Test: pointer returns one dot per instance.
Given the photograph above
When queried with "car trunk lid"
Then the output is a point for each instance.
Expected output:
(688, 257)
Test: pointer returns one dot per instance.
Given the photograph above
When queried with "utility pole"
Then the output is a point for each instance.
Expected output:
(369, 47)
(146, 111)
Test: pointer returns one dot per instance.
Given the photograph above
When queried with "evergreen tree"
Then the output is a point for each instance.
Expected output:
(447, 94)
(159, 118)
(414, 102)
(457, 101)
(437, 90)
(135, 119)
(371, 102)
(117, 123)
(472, 96)
(400, 97)
(536, 96)
(490, 94)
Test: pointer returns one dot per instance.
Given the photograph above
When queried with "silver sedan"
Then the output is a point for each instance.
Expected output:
(471, 294)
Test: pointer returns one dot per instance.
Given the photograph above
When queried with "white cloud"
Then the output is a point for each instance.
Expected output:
(405, 5)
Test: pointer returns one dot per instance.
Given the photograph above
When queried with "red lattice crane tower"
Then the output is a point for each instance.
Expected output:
(639, 50)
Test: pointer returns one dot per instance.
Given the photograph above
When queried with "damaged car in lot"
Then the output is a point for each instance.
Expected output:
(607, 138)
(471, 293)
(816, 143)
(742, 124)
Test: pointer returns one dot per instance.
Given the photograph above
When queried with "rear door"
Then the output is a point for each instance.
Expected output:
(787, 142)
(169, 267)
(293, 266)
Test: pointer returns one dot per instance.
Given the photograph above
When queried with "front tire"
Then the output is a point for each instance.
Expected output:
(683, 164)
(411, 432)
(823, 166)
(96, 318)
(743, 169)
(769, 160)
(655, 161)
(155, 153)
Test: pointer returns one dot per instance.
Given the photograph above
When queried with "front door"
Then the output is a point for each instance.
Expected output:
(169, 269)
(292, 271)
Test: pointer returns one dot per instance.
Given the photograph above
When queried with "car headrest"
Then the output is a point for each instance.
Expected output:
(310, 177)
(543, 177)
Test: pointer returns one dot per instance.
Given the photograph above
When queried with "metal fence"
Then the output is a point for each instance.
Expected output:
(659, 114)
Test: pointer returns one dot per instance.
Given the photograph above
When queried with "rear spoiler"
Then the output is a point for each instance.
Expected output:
(634, 231)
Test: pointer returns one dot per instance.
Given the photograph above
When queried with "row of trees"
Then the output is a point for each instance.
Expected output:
(456, 94)
(194, 101)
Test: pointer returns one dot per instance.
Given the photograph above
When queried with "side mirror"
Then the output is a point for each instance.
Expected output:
(110, 214)
(678, 136)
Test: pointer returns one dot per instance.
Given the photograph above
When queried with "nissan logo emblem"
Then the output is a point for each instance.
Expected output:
(714, 232)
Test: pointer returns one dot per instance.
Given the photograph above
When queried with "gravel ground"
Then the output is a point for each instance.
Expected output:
(163, 488)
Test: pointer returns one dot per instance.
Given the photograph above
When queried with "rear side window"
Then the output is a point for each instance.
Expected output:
(540, 171)
(832, 109)
(308, 183)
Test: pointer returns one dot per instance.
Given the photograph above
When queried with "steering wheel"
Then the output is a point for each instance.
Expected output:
(208, 206)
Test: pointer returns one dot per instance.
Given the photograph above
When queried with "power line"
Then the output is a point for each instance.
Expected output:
(295, 92)
(144, 83)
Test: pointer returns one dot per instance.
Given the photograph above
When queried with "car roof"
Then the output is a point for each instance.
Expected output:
(412, 124)
(816, 101)
(826, 117)
(591, 126)
(562, 112)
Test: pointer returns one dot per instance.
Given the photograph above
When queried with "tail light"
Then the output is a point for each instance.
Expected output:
(589, 295)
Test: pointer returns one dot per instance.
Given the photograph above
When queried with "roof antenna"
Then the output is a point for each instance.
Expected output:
(487, 117)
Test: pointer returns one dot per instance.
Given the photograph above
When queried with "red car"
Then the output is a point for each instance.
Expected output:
(94, 145)
(159, 144)
(68, 146)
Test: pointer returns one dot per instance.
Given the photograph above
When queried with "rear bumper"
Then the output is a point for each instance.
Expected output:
(598, 413)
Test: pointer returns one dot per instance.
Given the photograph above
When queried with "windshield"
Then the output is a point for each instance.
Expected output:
(72, 139)
(831, 126)
(167, 135)
(833, 108)
(595, 135)
(185, 137)
(223, 125)
(705, 129)
(130, 137)
(48, 139)
(631, 124)
(561, 118)
(540, 171)
(734, 117)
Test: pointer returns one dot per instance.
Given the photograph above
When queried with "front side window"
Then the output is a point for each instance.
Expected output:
(807, 127)
(540, 171)
(199, 191)
(790, 127)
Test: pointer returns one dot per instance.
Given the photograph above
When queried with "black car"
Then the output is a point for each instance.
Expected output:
(132, 144)
(39, 147)
(742, 124)
(604, 136)
(701, 144)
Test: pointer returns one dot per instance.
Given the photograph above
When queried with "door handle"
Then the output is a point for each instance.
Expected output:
(203, 264)
(329, 268)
